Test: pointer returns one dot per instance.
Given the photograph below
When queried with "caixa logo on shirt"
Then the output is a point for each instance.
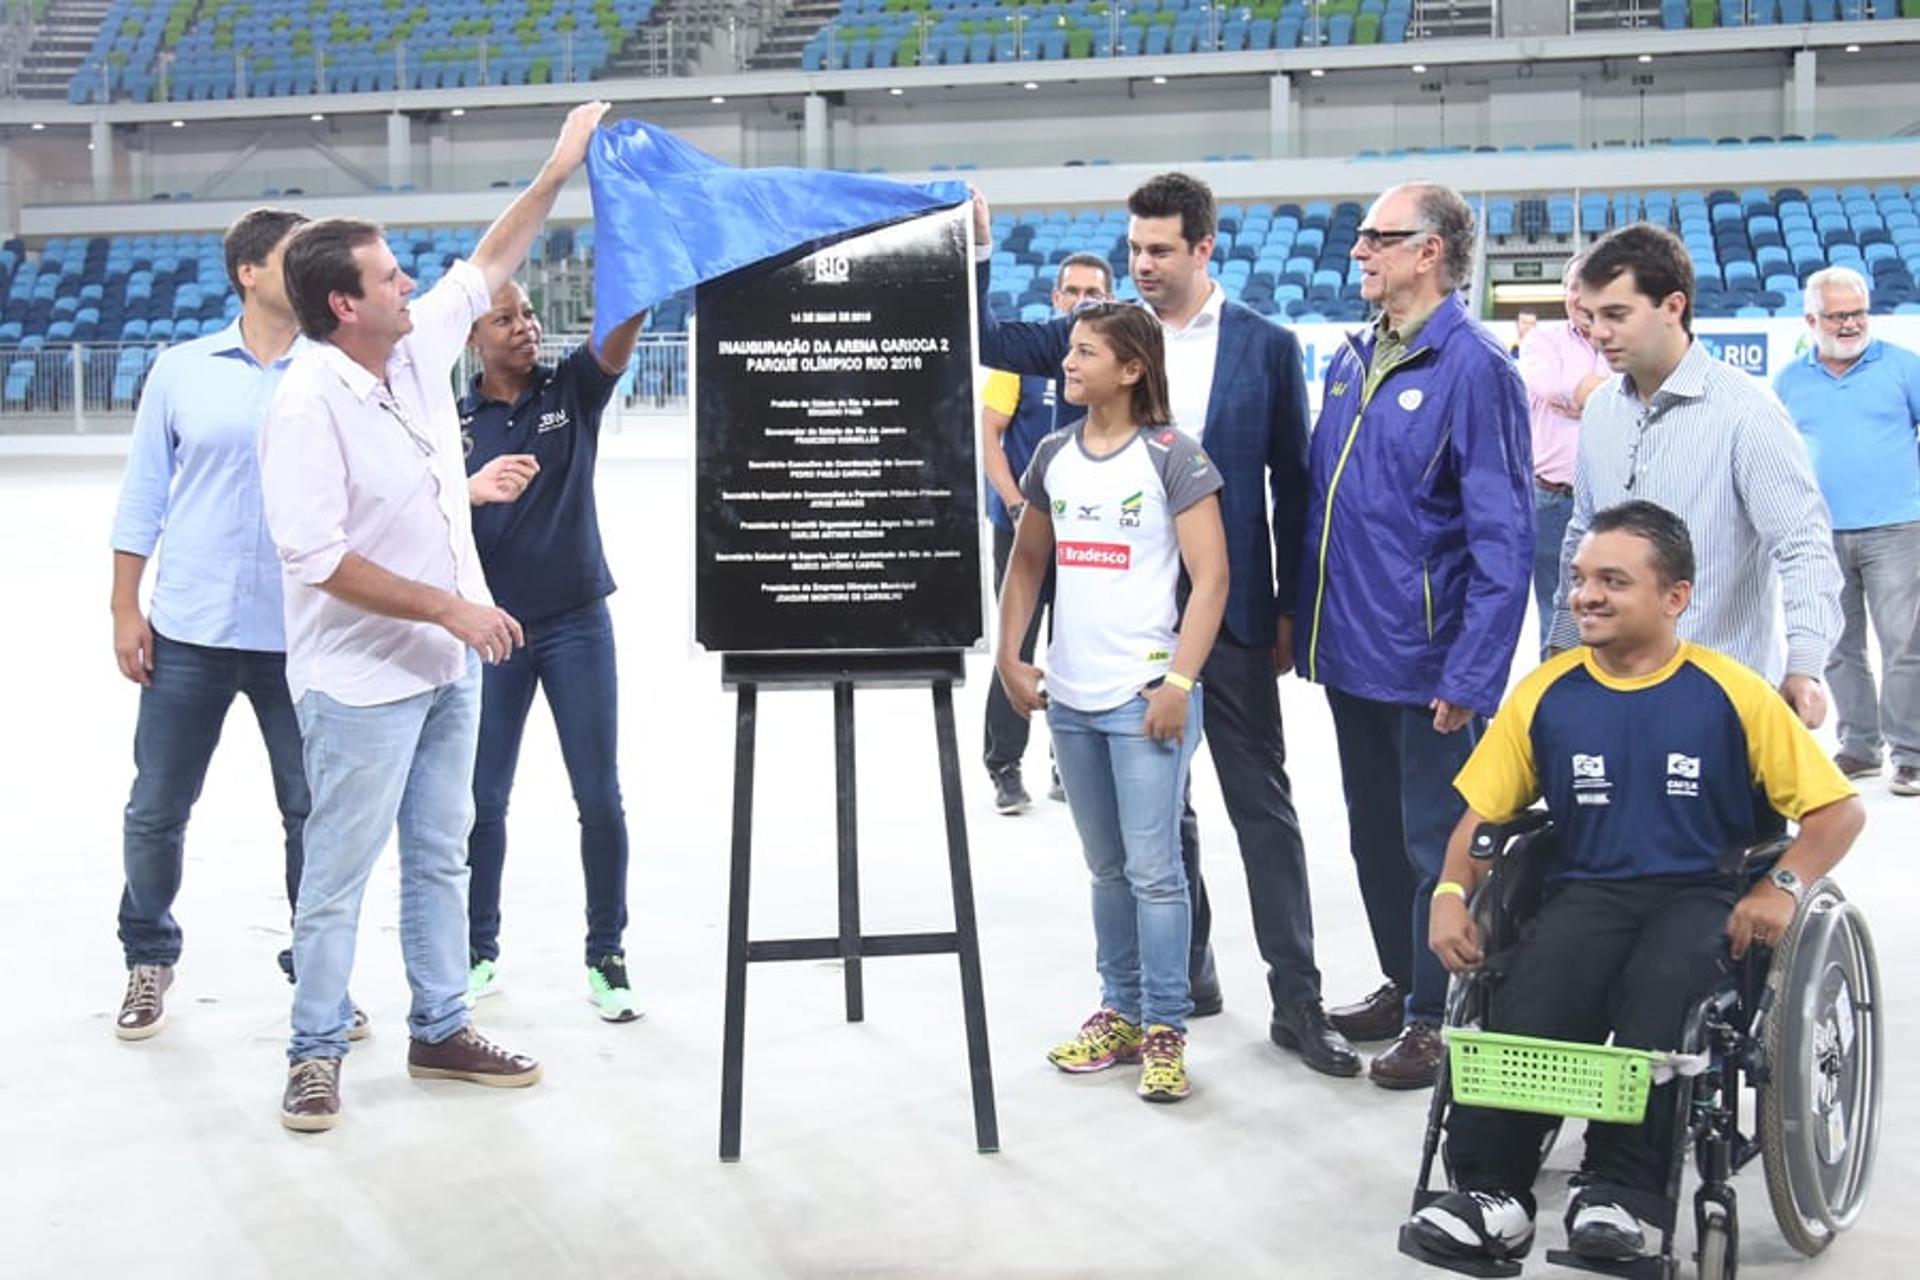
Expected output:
(1746, 352)
(1095, 555)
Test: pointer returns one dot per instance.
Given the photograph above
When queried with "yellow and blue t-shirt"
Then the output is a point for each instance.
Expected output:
(1657, 775)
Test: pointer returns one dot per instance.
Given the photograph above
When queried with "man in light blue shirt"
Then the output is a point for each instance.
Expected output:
(1856, 401)
(216, 628)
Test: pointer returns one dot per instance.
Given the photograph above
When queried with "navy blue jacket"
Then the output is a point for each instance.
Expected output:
(1419, 552)
(1256, 434)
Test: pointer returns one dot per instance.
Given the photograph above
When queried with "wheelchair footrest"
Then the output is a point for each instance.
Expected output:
(1646, 1267)
(1465, 1266)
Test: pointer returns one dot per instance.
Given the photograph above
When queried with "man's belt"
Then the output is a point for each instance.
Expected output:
(1548, 486)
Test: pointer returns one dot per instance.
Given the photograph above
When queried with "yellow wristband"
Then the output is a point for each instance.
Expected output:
(1183, 683)
(1453, 887)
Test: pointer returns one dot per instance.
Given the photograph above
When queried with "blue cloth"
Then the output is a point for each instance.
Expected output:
(541, 552)
(409, 762)
(1039, 413)
(667, 215)
(1126, 791)
(571, 657)
(1419, 552)
(181, 714)
(1256, 434)
(193, 474)
(1859, 429)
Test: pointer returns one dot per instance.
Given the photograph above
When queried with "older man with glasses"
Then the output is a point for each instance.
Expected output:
(1856, 401)
(1415, 579)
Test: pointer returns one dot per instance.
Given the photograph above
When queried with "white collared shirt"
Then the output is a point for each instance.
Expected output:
(1192, 353)
(346, 465)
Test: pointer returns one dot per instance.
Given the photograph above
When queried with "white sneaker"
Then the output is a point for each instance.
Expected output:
(1606, 1232)
(1475, 1224)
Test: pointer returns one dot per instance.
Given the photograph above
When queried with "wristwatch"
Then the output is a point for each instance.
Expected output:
(1785, 881)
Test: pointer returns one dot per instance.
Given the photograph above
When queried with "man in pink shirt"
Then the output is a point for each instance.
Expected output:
(1561, 368)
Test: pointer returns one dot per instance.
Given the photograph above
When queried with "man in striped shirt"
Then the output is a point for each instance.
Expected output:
(1715, 446)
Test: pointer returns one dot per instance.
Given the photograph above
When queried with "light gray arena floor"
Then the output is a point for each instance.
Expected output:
(166, 1158)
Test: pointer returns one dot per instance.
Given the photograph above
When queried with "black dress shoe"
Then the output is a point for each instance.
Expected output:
(1304, 1029)
(1207, 1000)
(1378, 1017)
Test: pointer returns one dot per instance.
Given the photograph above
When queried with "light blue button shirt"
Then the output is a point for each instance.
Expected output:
(1859, 428)
(193, 486)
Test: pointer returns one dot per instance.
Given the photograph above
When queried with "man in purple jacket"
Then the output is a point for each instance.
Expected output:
(1419, 552)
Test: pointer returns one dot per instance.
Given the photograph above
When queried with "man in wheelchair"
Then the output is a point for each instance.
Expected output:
(1654, 757)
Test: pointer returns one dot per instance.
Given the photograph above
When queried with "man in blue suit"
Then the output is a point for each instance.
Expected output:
(1237, 386)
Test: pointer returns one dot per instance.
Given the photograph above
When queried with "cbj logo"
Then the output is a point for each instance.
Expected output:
(832, 268)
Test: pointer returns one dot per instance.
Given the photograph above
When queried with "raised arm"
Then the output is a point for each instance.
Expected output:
(617, 354)
(504, 247)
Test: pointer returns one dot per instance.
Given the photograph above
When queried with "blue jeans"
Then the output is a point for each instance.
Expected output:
(1398, 773)
(181, 714)
(1551, 511)
(410, 761)
(1125, 792)
(570, 655)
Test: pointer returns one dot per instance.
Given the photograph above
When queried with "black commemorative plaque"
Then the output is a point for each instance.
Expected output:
(835, 494)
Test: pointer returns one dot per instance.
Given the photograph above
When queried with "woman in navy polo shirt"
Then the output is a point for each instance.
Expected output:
(532, 435)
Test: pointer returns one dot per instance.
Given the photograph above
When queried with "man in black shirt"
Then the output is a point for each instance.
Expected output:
(532, 435)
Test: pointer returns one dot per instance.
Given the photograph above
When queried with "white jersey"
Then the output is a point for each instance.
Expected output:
(1117, 557)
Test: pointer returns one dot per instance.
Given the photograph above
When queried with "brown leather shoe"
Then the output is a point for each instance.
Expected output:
(311, 1103)
(144, 1008)
(1378, 1017)
(1412, 1061)
(1856, 767)
(468, 1055)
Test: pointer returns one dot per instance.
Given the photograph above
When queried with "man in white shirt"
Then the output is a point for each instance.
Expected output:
(388, 617)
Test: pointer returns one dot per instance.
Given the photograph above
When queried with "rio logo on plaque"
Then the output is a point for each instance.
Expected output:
(835, 493)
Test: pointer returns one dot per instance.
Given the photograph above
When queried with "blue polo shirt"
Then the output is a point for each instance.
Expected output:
(1033, 421)
(1859, 428)
(542, 552)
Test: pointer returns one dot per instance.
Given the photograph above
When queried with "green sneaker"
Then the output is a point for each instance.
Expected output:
(1163, 1065)
(1105, 1040)
(482, 980)
(607, 987)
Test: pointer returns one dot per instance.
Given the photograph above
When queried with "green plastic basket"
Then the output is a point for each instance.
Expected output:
(1550, 1077)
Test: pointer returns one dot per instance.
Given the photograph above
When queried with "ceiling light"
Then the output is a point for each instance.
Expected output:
(179, 124)
(457, 112)
(717, 99)
(1159, 79)
(37, 126)
(1853, 48)
(896, 91)
(1419, 68)
(316, 117)
(1317, 72)
(1029, 85)
(1645, 58)
(89, 146)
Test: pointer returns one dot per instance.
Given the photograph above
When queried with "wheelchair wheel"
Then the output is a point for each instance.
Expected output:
(1820, 1112)
(1717, 1259)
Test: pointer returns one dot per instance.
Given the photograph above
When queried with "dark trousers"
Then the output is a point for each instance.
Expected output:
(1007, 729)
(1250, 759)
(1630, 958)
(1397, 773)
(181, 714)
(571, 656)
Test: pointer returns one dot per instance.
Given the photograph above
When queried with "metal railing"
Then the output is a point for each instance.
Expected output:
(89, 384)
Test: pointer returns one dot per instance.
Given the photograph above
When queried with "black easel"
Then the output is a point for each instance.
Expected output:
(940, 670)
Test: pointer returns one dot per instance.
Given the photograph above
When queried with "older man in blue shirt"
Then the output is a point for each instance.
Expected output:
(1856, 401)
(215, 628)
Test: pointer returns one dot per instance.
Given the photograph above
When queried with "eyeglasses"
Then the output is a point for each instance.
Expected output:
(1374, 237)
(1840, 318)
(388, 401)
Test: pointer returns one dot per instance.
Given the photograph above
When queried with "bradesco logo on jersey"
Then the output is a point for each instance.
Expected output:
(1095, 555)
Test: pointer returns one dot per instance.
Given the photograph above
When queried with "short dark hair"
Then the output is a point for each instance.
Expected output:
(1093, 260)
(318, 263)
(1134, 334)
(253, 237)
(1664, 531)
(1177, 195)
(1447, 214)
(1657, 258)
